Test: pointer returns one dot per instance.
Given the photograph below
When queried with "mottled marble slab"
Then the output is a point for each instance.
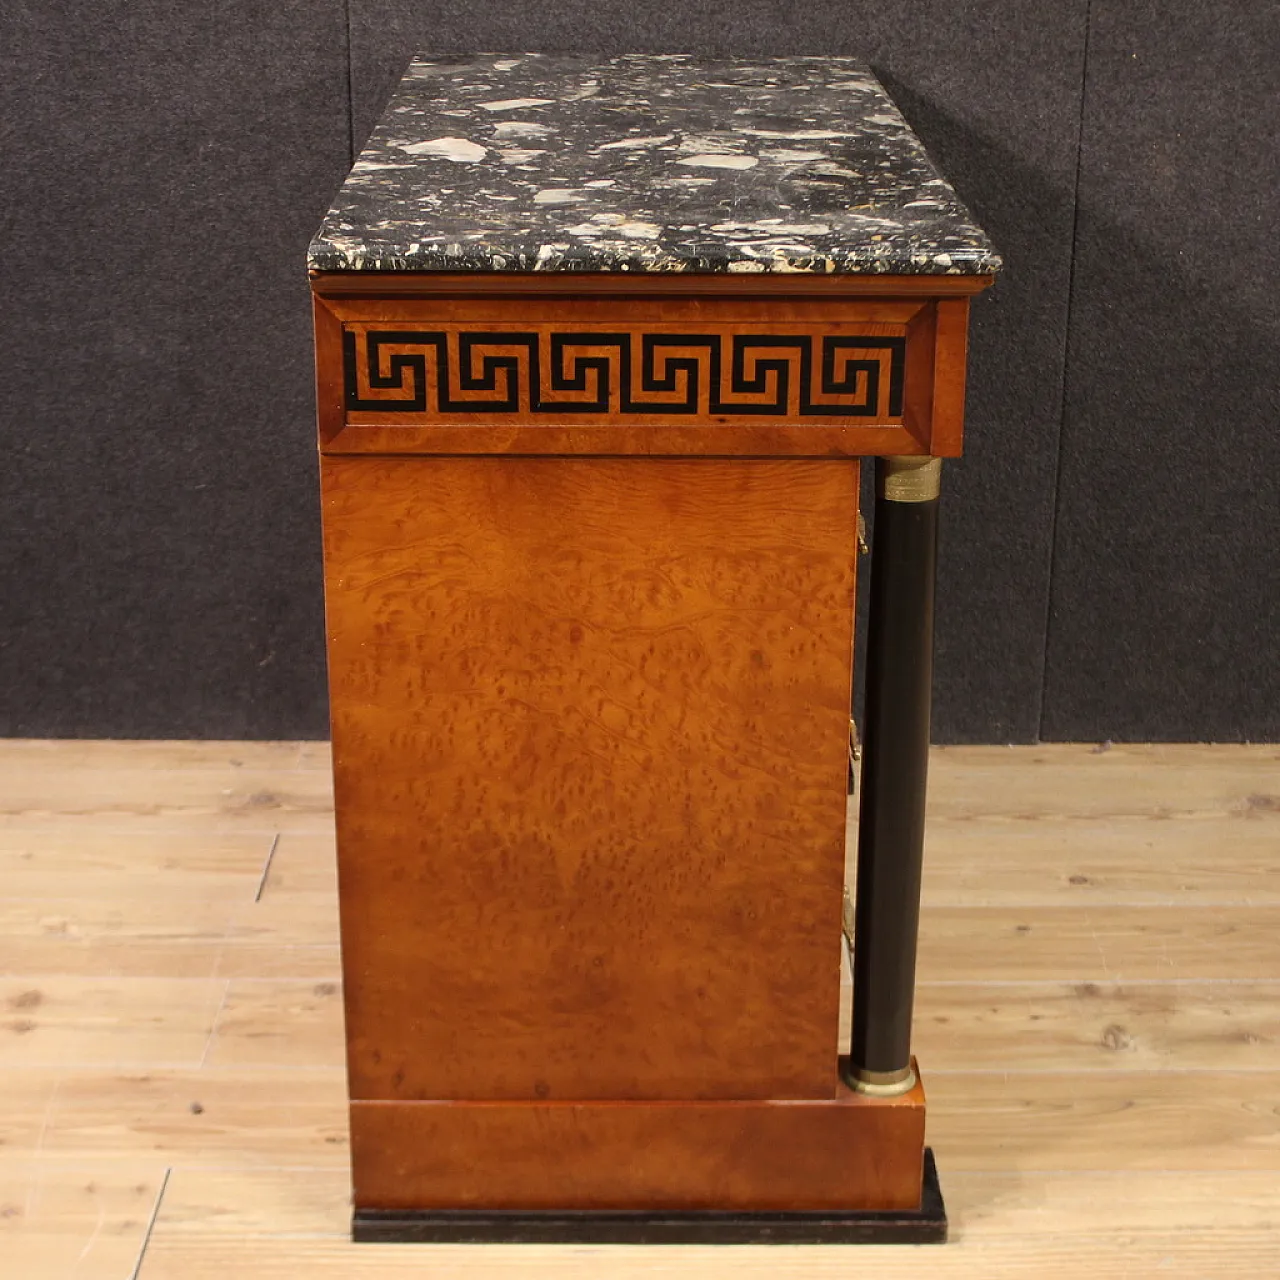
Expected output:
(646, 163)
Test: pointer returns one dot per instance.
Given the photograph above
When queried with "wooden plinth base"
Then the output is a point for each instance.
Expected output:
(749, 1156)
(926, 1225)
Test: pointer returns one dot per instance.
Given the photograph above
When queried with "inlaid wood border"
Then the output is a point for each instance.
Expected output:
(412, 374)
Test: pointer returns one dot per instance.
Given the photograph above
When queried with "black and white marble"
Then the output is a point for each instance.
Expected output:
(646, 163)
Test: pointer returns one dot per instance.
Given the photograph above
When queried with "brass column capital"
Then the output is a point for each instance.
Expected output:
(909, 479)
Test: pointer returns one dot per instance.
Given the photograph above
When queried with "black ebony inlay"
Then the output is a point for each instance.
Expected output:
(673, 369)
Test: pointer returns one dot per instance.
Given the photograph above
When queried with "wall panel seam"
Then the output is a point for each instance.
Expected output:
(1066, 361)
(351, 106)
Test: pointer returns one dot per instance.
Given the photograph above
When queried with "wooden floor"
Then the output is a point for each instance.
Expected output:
(1099, 1023)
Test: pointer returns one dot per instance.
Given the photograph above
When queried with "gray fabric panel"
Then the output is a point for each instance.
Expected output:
(993, 89)
(164, 168)
(157, 511)
(1167, 570)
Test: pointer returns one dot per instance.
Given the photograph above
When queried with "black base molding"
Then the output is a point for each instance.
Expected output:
(926, 1225)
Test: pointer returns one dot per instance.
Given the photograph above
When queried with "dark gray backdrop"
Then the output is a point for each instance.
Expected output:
(1110, 565)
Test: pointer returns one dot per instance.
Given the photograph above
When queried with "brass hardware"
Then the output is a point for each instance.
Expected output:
(846, 919)
(881, 1084)
(909, 479)
(862, 535)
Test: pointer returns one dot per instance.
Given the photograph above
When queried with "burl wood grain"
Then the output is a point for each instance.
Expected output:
(842, 1153)
(589, 721)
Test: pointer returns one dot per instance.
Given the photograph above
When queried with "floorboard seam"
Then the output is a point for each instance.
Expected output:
(213, 1025)
(151, 1224)
(1045, 672)
(266, 867)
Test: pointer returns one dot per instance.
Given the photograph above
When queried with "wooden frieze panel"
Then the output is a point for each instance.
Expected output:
(634, 375)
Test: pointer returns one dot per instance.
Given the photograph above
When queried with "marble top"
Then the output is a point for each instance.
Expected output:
(648, 163)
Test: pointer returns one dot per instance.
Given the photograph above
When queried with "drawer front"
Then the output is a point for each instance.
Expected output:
(628, 376)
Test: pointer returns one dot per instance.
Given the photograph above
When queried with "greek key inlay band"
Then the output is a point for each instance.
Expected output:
(548, 372)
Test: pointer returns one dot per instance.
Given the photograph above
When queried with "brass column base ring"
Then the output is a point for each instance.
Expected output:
(881, 1084)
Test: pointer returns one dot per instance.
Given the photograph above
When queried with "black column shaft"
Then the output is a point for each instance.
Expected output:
(894, 771)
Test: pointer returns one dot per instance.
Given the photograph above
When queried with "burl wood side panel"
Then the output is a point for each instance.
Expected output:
(844, 1153)
(589, 724)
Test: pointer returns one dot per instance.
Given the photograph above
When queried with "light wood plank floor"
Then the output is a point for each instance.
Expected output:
(1099, 1023)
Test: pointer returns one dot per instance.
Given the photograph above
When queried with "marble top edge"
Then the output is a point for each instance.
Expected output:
(647, 163)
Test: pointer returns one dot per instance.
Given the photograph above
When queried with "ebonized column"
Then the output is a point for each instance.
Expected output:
(894, 770)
